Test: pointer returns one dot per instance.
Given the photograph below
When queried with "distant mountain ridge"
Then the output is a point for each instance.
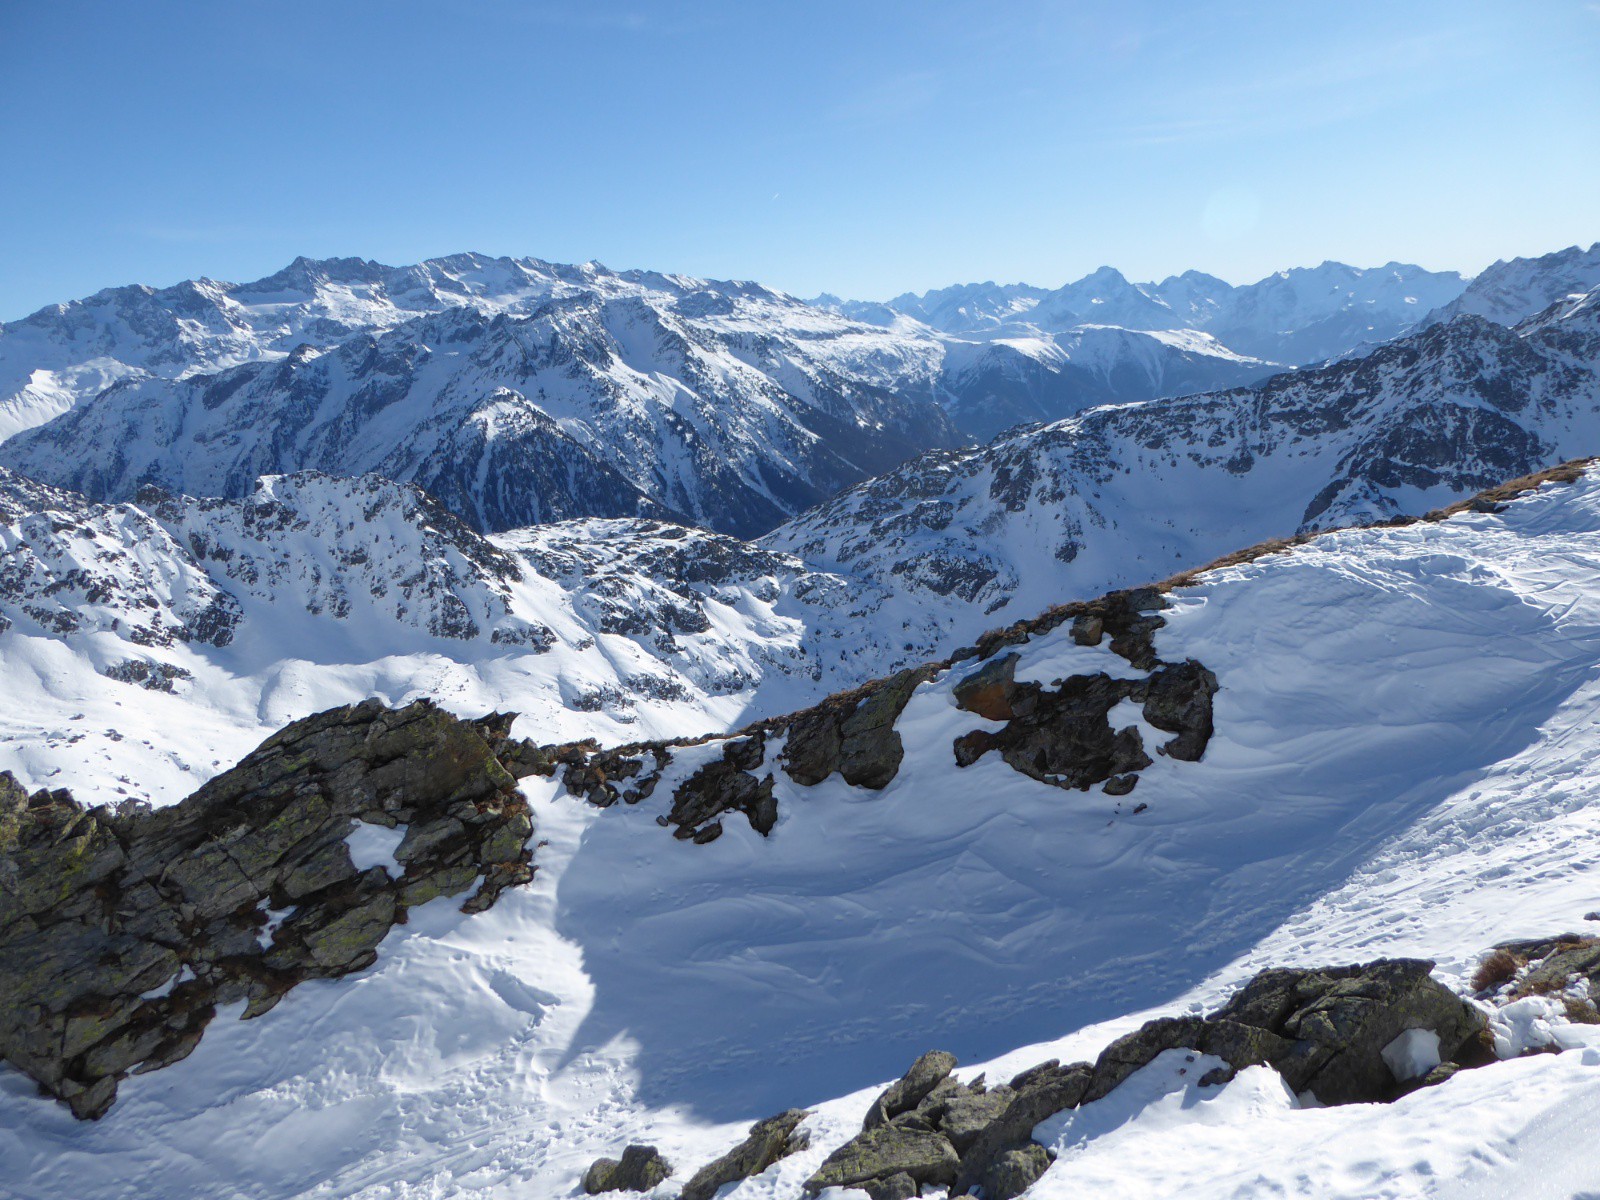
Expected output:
(1121, 495)
(1293, 317)
(517, 391)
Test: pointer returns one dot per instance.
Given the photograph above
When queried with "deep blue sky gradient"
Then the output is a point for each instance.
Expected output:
(864, 148)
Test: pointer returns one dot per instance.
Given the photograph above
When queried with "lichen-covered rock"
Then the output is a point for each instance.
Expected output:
(770, 1140)
(1035, 1094)
(897, 1187)
(640, 1169)
(1014, 1171)
(886, 1151)
(122, 930)
(909, 1091)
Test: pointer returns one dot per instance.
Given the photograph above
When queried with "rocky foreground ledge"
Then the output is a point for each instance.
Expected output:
(122, 930)
(1363, 1034)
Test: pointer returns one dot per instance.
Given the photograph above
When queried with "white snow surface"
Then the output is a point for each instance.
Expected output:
(374, 846)
(1405, 762)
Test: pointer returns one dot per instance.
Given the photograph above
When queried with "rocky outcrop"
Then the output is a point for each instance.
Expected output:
(876, 1158)
(1060, 734)
(770, 1140)
(639, 1170)
(122, 930)
(852, 734)
(1064, 735)
(1324, 1030)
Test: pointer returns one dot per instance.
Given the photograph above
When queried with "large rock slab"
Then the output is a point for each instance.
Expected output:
(122, 930)
(769, 1140)
(883, 1152)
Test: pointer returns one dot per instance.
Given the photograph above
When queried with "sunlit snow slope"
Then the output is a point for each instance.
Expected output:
(1404, 762)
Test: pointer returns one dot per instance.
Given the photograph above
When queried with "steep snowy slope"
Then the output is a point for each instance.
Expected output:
(1509, 292)
(1403, 762)
(729, 404)
(121, 624)
(1132, 492)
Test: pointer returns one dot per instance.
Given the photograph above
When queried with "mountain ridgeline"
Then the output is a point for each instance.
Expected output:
(521, 392)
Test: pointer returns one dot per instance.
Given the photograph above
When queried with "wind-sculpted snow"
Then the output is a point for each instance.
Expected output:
(1404, 764)
(1125, 494)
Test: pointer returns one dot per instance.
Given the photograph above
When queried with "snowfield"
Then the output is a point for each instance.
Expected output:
(1405, 761)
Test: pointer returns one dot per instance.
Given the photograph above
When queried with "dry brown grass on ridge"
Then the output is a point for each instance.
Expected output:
(1497, 967)
(1485, 501)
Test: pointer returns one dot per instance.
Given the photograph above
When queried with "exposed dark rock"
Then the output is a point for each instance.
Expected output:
(989, 691)
(153, 676)
(1063, 736)
(1178, 700)
(769, 1141)
(1339, 1019)
(853, 734)
(639, 1170)
(1060, 735)
(718, 788)
(122, 930)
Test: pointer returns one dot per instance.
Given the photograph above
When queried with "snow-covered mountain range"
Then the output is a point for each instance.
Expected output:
(515, 391)
(1508, 292)
(519, 391)
(812, 803)
(1129, 493)
(311, 589)
(1297, 316)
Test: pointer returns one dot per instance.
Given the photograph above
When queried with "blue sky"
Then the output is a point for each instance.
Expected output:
(864, 148)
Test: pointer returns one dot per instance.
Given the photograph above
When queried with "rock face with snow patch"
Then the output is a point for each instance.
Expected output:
(1060, 734)
(1511, 291)
(121, 931)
